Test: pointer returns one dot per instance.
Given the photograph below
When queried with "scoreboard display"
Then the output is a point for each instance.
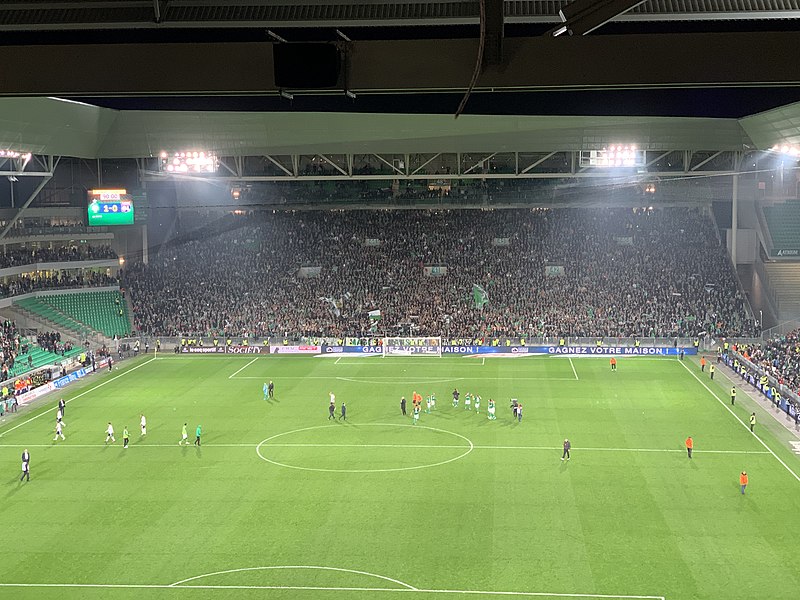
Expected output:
(109, 207)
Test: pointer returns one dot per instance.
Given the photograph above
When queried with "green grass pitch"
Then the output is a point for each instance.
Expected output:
(280, 502)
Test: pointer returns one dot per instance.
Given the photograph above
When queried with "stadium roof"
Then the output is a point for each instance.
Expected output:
(41, 15)
(123, 49)
(51, 126)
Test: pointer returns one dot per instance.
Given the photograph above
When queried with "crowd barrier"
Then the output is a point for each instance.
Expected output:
(58, 384)
(551, 350)
(224, 349)
(777, 393)
(464, 350)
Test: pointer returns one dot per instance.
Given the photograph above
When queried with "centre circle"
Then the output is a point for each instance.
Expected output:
(279, 441)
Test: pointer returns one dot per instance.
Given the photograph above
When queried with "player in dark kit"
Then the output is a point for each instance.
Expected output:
(403, 405)
(61, 406)
(344, 412)
(271, 390)
(567, 447)
(331, 410)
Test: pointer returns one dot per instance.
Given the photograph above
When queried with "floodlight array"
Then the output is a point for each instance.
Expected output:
(787, 149)
(189, 162)
(15, 154)
(615, 155)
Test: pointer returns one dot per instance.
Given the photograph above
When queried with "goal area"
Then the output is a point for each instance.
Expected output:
(412, 346)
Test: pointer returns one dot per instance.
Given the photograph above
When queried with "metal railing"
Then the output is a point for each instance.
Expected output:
(780, 329)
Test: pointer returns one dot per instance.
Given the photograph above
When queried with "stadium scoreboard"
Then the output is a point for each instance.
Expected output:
(109, 207)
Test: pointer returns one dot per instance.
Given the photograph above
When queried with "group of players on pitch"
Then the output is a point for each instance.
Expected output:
(470, 400)
(110, 435)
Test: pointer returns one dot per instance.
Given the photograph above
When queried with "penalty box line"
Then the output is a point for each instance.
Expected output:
(326, 589)
(371, 379)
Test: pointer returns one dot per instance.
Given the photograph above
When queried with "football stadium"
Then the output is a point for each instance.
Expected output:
(375, 300)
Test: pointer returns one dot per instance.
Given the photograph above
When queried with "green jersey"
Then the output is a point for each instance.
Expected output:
(199, 431)
(125, 432)
(183, 431)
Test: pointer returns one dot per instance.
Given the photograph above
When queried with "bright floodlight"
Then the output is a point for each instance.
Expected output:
(615, 155)
(788, 150)
(15, 154)
(194, 161)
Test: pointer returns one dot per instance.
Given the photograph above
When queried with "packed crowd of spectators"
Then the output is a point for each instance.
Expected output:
(26, 256)
(51, 341)
(779, 358)
(9, 348)
(614, 272)
(64, 279)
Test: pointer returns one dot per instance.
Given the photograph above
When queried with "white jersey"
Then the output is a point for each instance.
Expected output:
(110, 430)
(144, 421)
(333, 398)
(58, 428)
(59, 415)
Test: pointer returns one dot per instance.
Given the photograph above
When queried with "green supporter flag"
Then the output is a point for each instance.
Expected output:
(479, 296)
(374, 317)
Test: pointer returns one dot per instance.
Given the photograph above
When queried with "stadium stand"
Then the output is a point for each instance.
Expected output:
(97, 311)
(784, 279)
(779, 358)
(616, 272)
(25, 256)
(783, 221)
(18, 355)
(63, 280)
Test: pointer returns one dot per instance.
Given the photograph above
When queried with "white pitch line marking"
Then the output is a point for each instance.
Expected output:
(326, 589)
(119, 445)
(467, 450)
(574, 372)
(290, 567)
(742, 423)
(337, 360)
(399, 380)
(99, 385)
(242, 369)
(395, 381)
(413, 446)
(479, 447)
